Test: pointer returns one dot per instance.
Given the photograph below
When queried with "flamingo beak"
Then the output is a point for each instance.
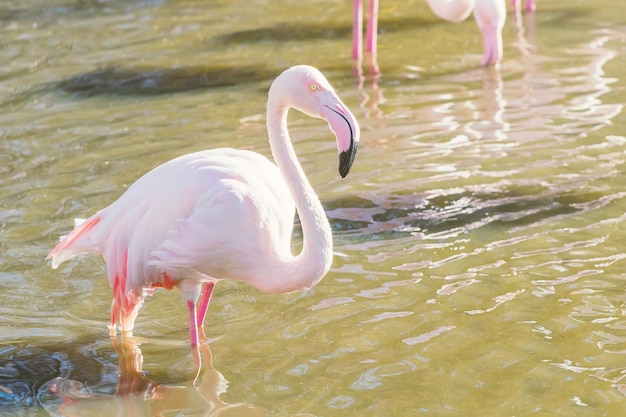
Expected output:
(345, 127)
(346, 158)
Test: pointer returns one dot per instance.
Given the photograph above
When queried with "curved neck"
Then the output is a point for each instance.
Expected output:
(309, 267)
(451, 10)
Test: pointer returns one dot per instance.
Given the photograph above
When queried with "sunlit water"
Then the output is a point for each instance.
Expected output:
(479, 238)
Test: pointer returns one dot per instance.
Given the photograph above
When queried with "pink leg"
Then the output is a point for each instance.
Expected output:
(490, 19)
(193, 329)
(492, 46)
(357, 28)
(530, 5)
(372, 26)
(207, 290)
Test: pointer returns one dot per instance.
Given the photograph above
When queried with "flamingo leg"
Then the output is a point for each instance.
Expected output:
(193, 329)
(372, 27)
(492, 45)
(357, 28)
(203, 306)
(530, 4)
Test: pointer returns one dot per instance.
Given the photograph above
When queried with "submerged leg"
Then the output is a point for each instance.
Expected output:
(193, 337)
(197, 363)
(205, 298)
(124, 311)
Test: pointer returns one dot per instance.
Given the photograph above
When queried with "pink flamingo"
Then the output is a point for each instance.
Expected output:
(490, 16)
(221, 214)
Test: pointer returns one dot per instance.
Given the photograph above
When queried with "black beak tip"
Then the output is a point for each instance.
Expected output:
(346, 158)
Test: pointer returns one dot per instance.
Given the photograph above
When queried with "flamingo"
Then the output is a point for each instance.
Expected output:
(490, 16)
(220, 214)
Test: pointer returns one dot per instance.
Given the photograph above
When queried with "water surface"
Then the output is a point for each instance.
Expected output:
(479, 238)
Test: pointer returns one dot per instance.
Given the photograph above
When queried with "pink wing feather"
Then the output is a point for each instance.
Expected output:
(76, 243)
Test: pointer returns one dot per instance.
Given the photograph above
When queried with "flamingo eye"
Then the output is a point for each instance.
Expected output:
(313, 87)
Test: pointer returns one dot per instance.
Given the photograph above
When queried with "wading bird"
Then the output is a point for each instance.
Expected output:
(490, 16)
(221, 214)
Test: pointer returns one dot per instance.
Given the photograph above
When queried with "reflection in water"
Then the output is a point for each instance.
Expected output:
(494, 102)
(368, 80)
(307, 31)
(139, 395)
(525, 31)
(284, 32)
(26, 371)
(23, 372)
(448, 213)
(480, 242)
(130, 81)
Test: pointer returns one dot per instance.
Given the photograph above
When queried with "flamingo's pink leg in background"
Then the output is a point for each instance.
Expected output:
(207, 290)
(357, 28)
(530, 4)
(372, 26)
(492, 46)
(490, 16)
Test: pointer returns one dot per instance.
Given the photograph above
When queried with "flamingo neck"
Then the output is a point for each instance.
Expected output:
(309, 267)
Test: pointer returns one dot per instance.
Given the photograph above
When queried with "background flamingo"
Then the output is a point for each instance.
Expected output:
(221, 213)
(490, 16)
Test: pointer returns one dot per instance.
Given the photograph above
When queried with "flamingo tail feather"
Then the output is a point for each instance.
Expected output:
(75, 243)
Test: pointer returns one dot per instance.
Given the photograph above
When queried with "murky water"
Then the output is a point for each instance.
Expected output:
(479, 238)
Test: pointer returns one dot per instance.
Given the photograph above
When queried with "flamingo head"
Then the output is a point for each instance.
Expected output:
(305, 88)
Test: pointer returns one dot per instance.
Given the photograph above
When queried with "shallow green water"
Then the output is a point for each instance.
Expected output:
(479, 238)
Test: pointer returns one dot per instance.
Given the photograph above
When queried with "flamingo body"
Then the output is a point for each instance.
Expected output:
(451, 10)
(220, 214)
